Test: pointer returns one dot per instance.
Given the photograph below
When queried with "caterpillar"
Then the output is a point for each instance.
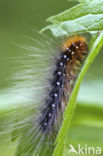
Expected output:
(40, 126)
(67, 66)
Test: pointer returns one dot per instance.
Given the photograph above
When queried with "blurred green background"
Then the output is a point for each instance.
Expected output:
(17, 19)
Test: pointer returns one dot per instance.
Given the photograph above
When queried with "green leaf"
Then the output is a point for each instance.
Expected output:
(60, 141)
(84, 17)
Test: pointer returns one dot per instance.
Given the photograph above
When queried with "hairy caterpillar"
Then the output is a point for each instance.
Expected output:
(67, 66)
(39, 126)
